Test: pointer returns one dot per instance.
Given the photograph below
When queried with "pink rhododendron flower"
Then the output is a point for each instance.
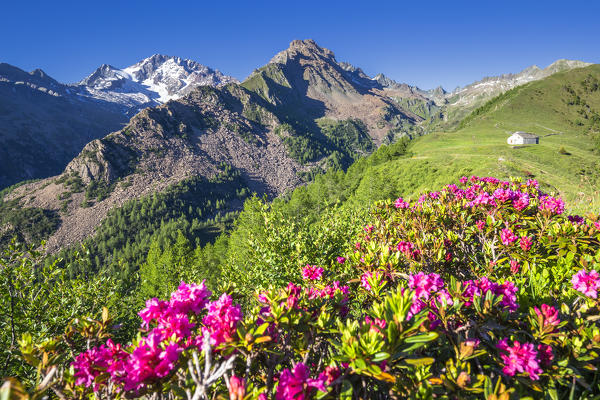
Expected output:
(189, 298)
(463, 179)
(312, 272)
(408, 249)
(149, 361)
(521, 202)
(294, 290)
(552, 204)
(546, 355)
(587, 283)
(597, 225)
(376, 324)
(89, 364)
(400, 203)
(452, 188)
(549, 314)
(507, 236)
(341, 260)
(480, 224)
(480, 287)
(425, 284)
(118, 361)
(520, 358)
(221, 320)
(154, 310)
(525, 243)
(533, 182)
(514, 266)
(175, 324)
(263, 298)
(504, 195)
(483, 199)
(296, 384)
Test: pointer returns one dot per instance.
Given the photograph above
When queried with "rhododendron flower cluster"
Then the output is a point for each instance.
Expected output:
(427, 268)
(88, 365)
(400, 203)
(296, 384)
(157, 354)
(221, 320)
(376, 324)
(328, 291)
(312, 272)
(237, 388)
(425, 284)
(545, 354)
(428, 288)
(525, 243)
(587, 283)
(552, 204)
(514, 266)
(520, 358)
(576, 219)
(508, 237)
(408, 249)
(483, 285)
(549, 315)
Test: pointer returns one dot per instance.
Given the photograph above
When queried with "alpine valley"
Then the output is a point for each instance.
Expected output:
(206, 142)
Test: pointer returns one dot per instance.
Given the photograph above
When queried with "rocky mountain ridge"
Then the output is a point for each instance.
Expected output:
(150, 82)
(463, 100)
(302, 99)
(45, 123)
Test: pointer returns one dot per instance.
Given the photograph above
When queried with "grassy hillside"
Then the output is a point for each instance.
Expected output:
(563, 109)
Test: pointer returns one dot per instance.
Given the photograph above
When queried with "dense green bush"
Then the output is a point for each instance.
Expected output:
(486, 289)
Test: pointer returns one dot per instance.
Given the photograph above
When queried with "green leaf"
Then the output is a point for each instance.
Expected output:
(417, 362)
(360, 364)
(423, 338)
(261, 329)
(382, 355)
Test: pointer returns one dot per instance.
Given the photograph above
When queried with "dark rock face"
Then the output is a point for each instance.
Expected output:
(44, 123)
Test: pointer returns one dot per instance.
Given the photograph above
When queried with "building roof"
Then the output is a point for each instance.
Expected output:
(526, 135)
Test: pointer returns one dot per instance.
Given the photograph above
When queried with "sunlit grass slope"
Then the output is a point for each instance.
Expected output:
(563, 109)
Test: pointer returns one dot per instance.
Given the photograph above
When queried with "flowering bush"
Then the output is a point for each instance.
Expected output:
(480, 290)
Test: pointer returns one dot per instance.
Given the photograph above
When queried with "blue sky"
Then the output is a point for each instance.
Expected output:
(427, 43)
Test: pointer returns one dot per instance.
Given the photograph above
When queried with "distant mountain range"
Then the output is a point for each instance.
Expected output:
(300, 114)
(152, 81)
(45, 123)
(462, 101)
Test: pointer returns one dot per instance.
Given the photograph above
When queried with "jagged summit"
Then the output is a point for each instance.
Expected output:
(307, 48)
(152, 81)
(563, 65)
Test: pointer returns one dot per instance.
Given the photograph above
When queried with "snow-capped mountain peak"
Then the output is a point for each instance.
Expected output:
(152, 81)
